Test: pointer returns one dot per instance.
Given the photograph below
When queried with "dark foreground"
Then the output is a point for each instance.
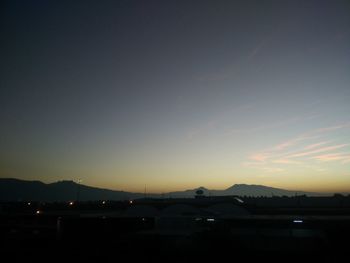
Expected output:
(273, 234)
(43, 239)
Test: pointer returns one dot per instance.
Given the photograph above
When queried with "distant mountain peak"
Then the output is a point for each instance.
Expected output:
(250, 186)
(64, 182)
(15, 189)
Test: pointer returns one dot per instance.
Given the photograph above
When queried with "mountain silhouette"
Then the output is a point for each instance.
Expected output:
(242, 190)
(261, 190)
(21, 190)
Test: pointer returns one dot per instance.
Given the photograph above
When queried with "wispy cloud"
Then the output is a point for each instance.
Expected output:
(216, 120)
(267, 126)
(260, 157)
(286, 161)
(333, 128)
(307, 136)
(286, 144)
(315, 145)
(252, 164)
(235, 68)
(256, 50)
(291, 151)
(332, 157)
(324, 149)
(313, 134)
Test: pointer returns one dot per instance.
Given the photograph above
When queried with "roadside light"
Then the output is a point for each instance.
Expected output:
(29, 203)
(297, 221)
(239, 200)
(38, 212)
(103, 202)
(130, 202)
(71, 203)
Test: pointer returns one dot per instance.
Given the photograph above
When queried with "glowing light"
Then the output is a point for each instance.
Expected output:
(210, 219)
(130, 202)
(239, 200)
(71, 203)
(103, 202)
(38, 212)
(29, 203)
(298, 221)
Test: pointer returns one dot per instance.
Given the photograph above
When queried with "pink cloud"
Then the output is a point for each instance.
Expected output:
(259, 157)
(285, 161)
(310, 135)
(315, 145)
(283, 154)
(291, 142)
(333, 128)
(324, 149)
(332, 157)
(283, 145)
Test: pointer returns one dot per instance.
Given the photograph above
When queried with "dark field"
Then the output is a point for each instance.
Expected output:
(92, 232)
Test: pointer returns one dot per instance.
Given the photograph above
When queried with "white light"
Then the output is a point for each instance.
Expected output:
(239, 200)
(210, 219)
(130, 202)
(38, 212)
(29, 203)
(297, 221)
(103, 202)
(71, 203)
(198, 219)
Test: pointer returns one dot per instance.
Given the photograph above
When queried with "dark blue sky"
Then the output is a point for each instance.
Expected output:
(176, 94)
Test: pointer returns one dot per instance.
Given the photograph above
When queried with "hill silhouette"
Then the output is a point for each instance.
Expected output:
(21, 190)
(243, 190)
(261, 190)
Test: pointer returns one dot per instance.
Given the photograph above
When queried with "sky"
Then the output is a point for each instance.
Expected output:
(174, 95)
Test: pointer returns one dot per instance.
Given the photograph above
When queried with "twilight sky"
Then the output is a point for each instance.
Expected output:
(176, 94)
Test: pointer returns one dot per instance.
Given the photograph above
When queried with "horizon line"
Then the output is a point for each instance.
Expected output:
(174, 191)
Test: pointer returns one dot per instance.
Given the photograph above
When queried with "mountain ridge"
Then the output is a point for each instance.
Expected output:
(12, 189)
